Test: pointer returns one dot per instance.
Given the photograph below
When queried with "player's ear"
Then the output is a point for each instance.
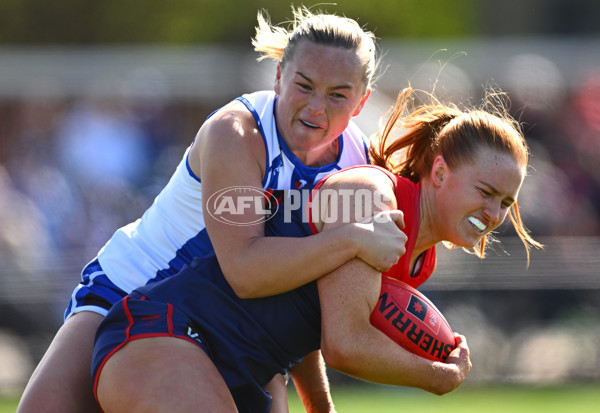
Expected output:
(277, 85)
(439, 170)
(362, 102)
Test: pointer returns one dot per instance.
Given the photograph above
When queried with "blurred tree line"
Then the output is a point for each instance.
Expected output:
(187, 22)
(83, 22)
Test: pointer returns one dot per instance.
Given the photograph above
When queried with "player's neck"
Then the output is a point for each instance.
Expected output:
(428, 235)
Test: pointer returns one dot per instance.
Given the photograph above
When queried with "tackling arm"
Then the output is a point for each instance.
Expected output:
(229, 152)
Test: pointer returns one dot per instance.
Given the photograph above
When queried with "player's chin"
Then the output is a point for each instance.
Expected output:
(468, 240)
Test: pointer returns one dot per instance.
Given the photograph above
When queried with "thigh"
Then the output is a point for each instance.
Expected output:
(61, 383)
(162, 374)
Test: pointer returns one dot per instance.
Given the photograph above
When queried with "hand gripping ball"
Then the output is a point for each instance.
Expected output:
(408, 317)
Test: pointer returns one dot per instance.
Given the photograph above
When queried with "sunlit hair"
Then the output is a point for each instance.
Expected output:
(280, 44)
(414, 134)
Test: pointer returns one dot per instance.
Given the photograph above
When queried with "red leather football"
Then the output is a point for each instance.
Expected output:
(411, 320)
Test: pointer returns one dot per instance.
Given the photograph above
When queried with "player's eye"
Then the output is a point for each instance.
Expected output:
(485, 192)
(338, 96)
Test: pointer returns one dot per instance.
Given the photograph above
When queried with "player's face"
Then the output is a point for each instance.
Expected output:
(319, 90)
(475, 197)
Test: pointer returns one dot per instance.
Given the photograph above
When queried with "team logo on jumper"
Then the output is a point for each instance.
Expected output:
(241, 205)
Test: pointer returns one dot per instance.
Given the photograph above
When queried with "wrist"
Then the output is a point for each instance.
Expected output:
(320, 402)
(347, 238)
(354, 235)
(445, 379)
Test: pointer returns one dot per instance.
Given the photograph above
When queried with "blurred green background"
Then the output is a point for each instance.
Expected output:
(76, 22)
(193, 22)
(98, 101)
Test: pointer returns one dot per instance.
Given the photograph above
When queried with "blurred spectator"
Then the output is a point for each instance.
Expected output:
(582, 128)
(23, 239)
(100, 143)
(105, 154)
(551, 204)
(560, 198)
(32, 166)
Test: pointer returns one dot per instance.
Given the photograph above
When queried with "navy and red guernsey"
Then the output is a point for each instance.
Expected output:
(408, 201)
(249, 340)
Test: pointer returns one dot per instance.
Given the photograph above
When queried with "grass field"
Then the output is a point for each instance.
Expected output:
(512, 399)
(367, 399)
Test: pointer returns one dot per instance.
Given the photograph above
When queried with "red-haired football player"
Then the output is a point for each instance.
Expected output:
(190, 341)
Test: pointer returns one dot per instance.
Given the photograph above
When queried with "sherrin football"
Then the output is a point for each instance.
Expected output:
(406, 316)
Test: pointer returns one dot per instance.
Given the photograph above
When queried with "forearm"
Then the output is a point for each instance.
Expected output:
(353, 346)
(392, 364)
(373, 357)
(255, 266)
(272, 265)
(312, 385)
(261, 266)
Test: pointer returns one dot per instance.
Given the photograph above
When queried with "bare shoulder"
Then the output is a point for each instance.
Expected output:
(372, 179)
(232, 122)
(231, 132)
(355, 192)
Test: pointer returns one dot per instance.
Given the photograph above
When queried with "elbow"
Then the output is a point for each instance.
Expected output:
(334, 358)
(338, 355)
(249, 282)
(242, 291)
(239, 283)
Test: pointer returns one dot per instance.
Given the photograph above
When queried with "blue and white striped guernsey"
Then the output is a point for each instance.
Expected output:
(172, 231)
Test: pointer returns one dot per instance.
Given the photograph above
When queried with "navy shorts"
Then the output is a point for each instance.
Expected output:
(136, 318)
(198, 305)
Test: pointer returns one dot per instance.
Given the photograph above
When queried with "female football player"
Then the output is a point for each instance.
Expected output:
(191, 341)
(267, 141)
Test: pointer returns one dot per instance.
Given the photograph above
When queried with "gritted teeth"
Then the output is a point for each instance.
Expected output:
(479, 226)
(310, 125)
